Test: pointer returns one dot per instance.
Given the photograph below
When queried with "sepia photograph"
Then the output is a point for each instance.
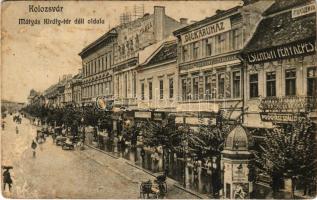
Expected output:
(113, 99)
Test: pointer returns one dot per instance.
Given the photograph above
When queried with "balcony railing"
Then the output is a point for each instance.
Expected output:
(288, 104)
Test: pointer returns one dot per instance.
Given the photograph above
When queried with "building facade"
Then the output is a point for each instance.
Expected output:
(157, 83)
(76, 89)
(281, 73)
(97, 62)
(210, 71)
(134, 43)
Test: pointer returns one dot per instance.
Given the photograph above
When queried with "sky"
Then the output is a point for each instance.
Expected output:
(34, 57)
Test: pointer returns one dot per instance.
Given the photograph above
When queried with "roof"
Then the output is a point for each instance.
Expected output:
(111, 33)
(159, 52)
(237, 139)
(282, 29)
(280, 5)
(221, 13)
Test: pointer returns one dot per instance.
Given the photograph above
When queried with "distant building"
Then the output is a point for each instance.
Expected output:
(76, 89)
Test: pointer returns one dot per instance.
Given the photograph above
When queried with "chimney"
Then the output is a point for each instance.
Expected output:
(159, 22)
(183, 21)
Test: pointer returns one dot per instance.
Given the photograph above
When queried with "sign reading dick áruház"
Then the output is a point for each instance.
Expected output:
(290, 50)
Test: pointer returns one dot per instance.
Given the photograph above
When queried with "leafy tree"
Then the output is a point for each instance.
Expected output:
(214, 137)
(288, 151)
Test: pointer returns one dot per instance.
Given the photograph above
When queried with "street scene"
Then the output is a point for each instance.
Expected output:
(161, 106)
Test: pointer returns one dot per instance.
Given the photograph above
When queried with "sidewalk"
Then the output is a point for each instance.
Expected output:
(135, 174)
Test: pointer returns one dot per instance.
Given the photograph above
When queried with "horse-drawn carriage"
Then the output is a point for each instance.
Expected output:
(154, 189)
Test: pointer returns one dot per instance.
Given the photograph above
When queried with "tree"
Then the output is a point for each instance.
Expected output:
(214, 137)
(288, 151)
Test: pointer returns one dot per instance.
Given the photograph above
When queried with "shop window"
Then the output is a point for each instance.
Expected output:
(161, 89)
(236, 84)
(142, 91)
(254, 88)
(290, 82)
(171, 88)
(271, 84)
(195, 50)
(221, 85)
(312, 81)
(150, 90)
(184, 89)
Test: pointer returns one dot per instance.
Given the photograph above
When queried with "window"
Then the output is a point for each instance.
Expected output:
(161, 89)
(126, 85)
(271, 84)
(312, 81)
(195, 88)
(208, 87)
(236, 39)
(221, 42)
(221, 85)
(236, 84)
(209, 47)
(150, 90)
(195, 50)
(171, 87)
(142, 91)
(254, 91)
(184, 89)
(134, 84)
(185, 53)
(290, 82)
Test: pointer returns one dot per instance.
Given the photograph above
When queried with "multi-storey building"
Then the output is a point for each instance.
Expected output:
(157, 82)
(210, 71)
(136, 38)
(281, 72)
(97, 61)
(76, 89)
(68, 93)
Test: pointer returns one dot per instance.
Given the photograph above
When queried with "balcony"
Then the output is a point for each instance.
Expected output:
(288, 104)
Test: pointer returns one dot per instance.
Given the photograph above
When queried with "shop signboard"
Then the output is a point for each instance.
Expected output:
(207, 31)
(303, 10)
(290, 50)
(143, 115)
(280, 117)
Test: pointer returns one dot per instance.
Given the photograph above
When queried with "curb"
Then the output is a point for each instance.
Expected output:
(200, 196)
(113, 156)
(172, 181)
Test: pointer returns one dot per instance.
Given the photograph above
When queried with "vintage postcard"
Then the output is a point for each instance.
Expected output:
(158, 99)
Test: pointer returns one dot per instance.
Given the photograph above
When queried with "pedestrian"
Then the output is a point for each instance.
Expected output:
(142, 154)
(16, 130)
(7, 179)
(33, 146)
